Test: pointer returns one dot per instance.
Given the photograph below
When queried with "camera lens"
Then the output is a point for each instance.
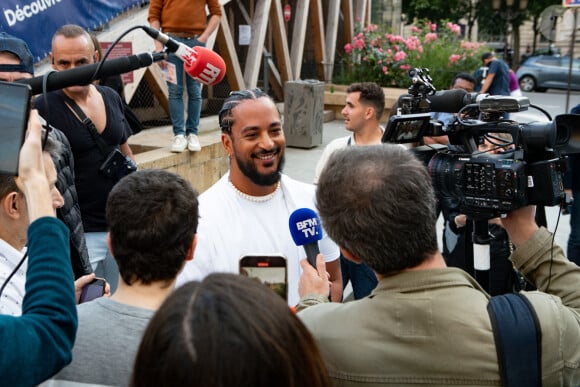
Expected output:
(445, 170)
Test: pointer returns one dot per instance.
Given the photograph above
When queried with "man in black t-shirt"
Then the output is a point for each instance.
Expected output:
(72, 47)
(497, 81)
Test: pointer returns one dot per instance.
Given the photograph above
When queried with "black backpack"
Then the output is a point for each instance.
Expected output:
(518, 340)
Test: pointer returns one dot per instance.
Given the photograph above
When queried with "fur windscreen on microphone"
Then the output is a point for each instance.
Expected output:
(448, 101)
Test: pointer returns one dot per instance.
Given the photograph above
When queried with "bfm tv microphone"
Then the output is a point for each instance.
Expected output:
(83, 75)
(202, 64)
(306, 231)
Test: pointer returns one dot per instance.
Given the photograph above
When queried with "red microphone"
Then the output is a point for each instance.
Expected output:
(202, 64)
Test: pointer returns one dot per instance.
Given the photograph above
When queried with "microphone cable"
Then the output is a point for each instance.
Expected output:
(13, 273)
(106, 55)
(47, 127)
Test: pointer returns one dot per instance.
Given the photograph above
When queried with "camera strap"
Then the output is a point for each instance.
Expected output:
(105, 148)
(518, 340)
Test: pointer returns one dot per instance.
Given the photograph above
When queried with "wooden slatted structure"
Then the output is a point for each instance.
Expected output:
(314, 32)
(314, 35)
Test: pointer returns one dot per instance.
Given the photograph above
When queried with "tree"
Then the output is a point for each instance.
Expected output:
(436, 10)
(495, 24)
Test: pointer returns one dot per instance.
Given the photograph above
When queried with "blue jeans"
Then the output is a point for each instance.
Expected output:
(176, 94)
(571, 180)
(362, 278)
(103, 263)
(574, 238)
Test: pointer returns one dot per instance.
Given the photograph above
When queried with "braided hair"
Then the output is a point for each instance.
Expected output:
(226, 118)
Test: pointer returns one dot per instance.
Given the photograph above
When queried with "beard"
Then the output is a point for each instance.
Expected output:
(249, 170)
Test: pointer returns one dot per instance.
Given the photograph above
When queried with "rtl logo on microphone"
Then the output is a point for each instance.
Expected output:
(309, 227)
(209, 75)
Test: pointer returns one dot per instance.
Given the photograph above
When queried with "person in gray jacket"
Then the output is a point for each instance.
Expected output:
(425, 323)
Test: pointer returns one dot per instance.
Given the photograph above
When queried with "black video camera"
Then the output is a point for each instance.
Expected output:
(523, 164)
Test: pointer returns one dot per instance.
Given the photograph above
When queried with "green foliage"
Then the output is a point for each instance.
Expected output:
(436, 10)
(385, 58)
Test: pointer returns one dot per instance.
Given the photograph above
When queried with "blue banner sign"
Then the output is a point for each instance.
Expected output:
(35, 21)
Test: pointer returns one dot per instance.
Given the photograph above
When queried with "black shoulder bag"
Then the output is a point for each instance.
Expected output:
(518, 340)
(116, 164)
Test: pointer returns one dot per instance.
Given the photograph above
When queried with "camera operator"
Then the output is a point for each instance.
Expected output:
(462, 81)
(502, 276)
(425, 323)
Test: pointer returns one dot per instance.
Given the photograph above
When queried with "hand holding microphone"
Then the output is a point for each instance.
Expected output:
(306, 231)
(200, 63)
(314, 280)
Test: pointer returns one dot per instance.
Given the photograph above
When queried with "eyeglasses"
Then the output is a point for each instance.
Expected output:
(47, 128)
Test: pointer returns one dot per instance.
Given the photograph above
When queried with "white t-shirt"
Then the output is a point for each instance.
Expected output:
(231, 226)
(13, 294)
(337, 143)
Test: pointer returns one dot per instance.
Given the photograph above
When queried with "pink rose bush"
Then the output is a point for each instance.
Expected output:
(383, 57)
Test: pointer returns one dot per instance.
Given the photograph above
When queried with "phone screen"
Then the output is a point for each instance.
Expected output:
(267, 269)
(14, 109)
(93, 290)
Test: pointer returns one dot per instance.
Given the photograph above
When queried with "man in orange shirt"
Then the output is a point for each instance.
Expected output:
(186, 22)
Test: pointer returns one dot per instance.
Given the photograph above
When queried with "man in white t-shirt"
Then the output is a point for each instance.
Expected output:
(365, 103)
(364, 106)
(247, 210)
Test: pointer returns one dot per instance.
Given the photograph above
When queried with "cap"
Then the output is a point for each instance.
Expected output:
(19, 48)
(486, 55)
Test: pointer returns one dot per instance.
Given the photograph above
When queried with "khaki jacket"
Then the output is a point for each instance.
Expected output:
(431, 327)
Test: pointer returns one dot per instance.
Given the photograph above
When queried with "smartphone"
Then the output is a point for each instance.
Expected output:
(92, 290)
(14, 110)
(271, 270)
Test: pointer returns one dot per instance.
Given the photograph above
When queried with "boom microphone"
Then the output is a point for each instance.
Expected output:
(449, 101)
(84, 75)
(202, 64)
(306, 231)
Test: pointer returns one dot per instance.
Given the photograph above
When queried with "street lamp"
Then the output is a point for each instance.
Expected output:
(508, 10)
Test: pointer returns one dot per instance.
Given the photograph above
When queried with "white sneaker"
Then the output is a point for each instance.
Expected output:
(193, 143)
(179, 143)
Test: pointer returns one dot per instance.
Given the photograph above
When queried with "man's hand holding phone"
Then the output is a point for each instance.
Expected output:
(314, 281)
(89, 287)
